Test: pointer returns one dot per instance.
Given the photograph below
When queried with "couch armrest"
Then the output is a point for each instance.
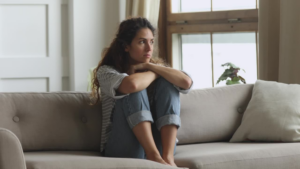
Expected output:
(11, 152)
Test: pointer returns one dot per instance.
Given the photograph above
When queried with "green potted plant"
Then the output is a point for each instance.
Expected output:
(232, 73)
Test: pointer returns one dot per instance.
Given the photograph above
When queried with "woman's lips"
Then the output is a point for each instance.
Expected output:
(147, 55)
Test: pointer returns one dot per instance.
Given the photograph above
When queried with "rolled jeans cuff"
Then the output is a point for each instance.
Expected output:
(170, 119)
(136, 118)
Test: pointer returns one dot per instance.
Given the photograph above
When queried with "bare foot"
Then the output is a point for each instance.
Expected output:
(156, 158)
(170, 161)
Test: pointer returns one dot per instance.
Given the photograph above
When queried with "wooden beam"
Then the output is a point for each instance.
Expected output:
(199, 28)
(215, 15)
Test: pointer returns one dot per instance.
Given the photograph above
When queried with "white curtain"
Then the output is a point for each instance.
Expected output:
(279, 40)
(144, 8)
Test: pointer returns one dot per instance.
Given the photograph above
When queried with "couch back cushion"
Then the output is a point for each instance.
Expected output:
(52, 121)
(213, 114)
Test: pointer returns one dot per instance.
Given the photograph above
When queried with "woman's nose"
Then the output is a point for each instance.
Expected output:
(148, 47)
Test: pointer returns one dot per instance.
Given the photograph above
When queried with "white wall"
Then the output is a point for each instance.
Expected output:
(50, 45)
(31, 55)
(93, 24)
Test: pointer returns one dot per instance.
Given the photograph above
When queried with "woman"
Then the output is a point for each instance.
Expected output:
(140, 96)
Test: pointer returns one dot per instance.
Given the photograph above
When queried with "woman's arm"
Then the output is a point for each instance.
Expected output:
(174, 76)
(137, 82)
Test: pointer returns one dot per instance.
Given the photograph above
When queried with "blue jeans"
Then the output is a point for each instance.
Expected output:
(135, 108)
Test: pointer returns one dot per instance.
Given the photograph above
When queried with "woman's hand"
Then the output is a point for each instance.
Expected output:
(174, 76)
(141, 67)
(137, 81)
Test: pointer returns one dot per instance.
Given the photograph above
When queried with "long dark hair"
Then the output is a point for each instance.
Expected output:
(116, 56)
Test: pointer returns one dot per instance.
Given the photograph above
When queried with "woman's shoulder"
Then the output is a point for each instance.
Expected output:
(106, 69)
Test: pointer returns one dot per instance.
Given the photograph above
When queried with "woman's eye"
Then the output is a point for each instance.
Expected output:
(142, 42)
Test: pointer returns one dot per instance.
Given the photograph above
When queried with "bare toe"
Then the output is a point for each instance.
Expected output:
(157, 158)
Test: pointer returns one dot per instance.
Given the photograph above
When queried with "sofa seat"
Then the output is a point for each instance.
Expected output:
(84, 160)
(239, 155)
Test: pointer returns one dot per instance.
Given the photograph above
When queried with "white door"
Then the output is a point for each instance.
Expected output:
(34, 53)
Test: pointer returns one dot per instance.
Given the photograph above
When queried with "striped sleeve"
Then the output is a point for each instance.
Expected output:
(110, 80)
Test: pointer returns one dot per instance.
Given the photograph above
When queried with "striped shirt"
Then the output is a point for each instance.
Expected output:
(110, 80)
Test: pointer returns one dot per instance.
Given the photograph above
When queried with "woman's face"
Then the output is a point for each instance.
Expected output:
(141, 48)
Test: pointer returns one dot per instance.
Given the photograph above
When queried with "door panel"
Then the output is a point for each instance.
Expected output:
(33, 52)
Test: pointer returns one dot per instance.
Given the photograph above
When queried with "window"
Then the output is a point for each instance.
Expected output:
(204, 34)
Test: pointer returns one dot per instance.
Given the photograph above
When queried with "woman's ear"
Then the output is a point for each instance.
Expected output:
(127, 48)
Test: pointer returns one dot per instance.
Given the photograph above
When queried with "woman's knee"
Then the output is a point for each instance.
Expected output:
(165, 89)
(163, 82)
(163, 85)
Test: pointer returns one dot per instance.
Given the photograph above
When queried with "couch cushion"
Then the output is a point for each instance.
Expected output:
(85, 160)
(272, 114)
(212, 114)
(239, 155)
(52, 121)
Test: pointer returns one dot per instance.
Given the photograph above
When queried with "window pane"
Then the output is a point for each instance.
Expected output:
(196, 59)
(220, 5)
(191, 5)
(175, 6)
(237, 48)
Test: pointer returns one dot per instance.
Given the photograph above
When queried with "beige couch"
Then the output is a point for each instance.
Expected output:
(61, 131)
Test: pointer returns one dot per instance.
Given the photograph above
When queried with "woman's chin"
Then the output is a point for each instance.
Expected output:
(146, 61)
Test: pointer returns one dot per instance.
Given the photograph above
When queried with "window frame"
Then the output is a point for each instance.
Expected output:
(245, 20)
